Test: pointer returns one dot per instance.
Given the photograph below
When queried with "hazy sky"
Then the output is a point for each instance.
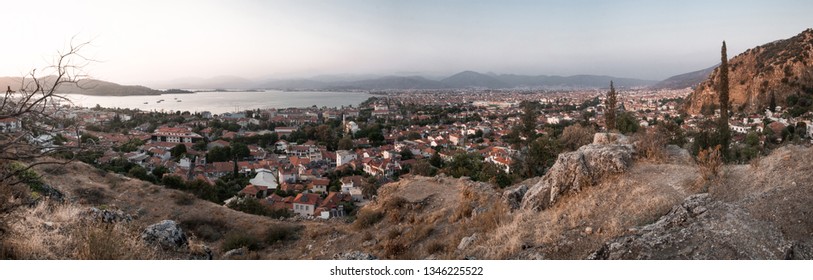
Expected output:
(140, 42)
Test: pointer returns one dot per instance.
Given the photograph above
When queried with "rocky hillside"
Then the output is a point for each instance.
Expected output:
(781, 69)
(686, 80)
(601, 202)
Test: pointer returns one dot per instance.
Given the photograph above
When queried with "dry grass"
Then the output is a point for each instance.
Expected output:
(207, 228)
(183, 198)
(635, 198)
(239, 239)
(709, 165)
(650, 143)
(436, 247)
(366, 218)
(63, 232)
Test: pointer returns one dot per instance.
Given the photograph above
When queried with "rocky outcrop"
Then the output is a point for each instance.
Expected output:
(781, 68)
(353, 255)
(701, 228)
(610, 138)
(108, 216)
(167, 233)
(465, 242)
(513, 197)
(233, 253)
(576, 170)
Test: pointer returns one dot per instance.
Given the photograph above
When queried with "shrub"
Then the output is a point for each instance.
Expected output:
(709, 164)
(367, 218)
(207, 229)
(393, 233)
(238, 239)
(650, 143)
(575, 136)
(249, 205)
(183, 198)
(281, 233)
(435, 247)
(93, 196)
(393, 249)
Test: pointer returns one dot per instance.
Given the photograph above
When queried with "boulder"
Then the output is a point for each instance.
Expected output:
(353, 255)
(200, 252)
(610, 138)
(166, 233)
(109, 216)
(235, 253)
(576, 170)
(466, 241)
(513, 197)
(701, 228)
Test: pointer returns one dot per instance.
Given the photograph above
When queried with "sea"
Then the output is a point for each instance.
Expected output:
(223, 102)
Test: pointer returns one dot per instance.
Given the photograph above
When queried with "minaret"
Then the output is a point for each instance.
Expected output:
(344, 122)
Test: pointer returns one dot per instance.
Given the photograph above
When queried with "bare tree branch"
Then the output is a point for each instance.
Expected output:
(36, 105)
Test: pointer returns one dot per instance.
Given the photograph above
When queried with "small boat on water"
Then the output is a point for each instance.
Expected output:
(146, 102)
(179, 101)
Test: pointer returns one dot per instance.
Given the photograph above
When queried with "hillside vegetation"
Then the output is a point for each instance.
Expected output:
(653, 209)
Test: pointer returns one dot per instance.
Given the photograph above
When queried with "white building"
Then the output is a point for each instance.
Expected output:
(344, 156)
(10, 125)
(265, 178)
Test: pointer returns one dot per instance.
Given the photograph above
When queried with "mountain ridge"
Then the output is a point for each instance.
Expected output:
(777, 70)
(461, 80)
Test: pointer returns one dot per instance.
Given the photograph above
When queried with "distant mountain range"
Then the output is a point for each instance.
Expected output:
(462, 80)
(687, 80)
(465, 79)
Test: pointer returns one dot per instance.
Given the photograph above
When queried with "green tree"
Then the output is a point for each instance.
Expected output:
(537, 157)
(240, 150)
(345, 143)
(139, 173)
(406, 154)
(627, 123)
(173, 182)
(218, 154)
(178, 150)
(723, 129)
(530, 113)
(465, 164)
(199, 145)
(435, 160)
(159, 171)
(610, 107)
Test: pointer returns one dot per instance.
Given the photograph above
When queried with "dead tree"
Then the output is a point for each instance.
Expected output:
(38, 112)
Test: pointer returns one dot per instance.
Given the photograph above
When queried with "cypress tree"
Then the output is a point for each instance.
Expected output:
(725, 134)
(610, 108)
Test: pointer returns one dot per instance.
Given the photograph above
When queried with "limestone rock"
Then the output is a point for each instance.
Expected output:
(700, 228)
(353, 255)
(466, 241)
(576, 170)
(109, 216)
(235, 253)
(610, 138)
(166, 233)
(513, 197)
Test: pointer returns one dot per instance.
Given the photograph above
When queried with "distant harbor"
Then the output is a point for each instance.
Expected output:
(221, 102)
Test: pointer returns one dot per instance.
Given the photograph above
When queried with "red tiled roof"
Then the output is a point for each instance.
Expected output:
(307, 198)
